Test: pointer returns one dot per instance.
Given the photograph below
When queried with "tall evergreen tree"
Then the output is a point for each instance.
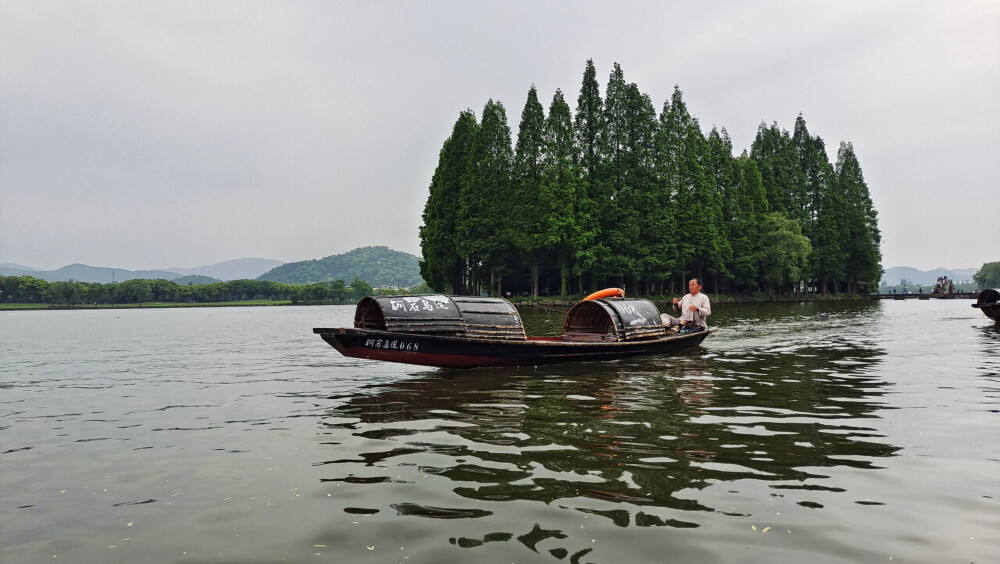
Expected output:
(526, 227)
(749, 210)
(712, 247)
(485, 205)
(589, 130)
(864, 255)
(619, 220)
(652, 212)
(816, 171)
(670, 143)
(588, 124)
(615, 193)
(733, 230)
(685, 166)
(774, 152)
(828, 231)
(568, 224)
(828, 261)
(443, 268)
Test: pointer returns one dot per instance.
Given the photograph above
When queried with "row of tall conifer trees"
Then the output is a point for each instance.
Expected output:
(616, 195)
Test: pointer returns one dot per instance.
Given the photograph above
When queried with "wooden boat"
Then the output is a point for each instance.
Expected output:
(465, 332)
(989, 303)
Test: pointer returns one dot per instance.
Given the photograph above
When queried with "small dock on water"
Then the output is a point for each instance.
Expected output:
(928, 296)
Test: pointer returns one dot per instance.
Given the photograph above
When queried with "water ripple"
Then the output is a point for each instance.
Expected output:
(810, 432)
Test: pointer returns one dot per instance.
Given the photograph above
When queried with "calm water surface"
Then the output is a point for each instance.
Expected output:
(798, 433)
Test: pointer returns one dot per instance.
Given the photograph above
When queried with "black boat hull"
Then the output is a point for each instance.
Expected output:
(989, 303)
(459, 352)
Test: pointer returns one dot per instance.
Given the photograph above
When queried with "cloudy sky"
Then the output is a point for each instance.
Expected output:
(152, 134)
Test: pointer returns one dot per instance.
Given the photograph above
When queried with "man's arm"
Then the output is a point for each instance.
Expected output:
(705, 307)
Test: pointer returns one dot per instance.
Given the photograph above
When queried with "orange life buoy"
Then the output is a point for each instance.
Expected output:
(607, 293)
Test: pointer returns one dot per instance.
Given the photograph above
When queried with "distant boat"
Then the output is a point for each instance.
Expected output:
(989, 303)
(465, 332)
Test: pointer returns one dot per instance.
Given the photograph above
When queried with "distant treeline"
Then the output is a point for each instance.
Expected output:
(988, 276)
(26, 289)
(616, 195)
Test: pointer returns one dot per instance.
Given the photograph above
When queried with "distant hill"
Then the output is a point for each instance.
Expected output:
(915, 277)
(85, 273)
(378, 266)
(196, 279)
(11, 265)
(8, 269)
(238, 269)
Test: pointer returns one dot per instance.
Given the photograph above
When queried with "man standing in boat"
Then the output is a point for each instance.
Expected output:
(694, 308)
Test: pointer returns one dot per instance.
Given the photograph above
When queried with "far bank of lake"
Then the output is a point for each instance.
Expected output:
(556, 302)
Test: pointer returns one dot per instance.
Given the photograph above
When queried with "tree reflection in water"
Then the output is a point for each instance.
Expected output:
(642, 437)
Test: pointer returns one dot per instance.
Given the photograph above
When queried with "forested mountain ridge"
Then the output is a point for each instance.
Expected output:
(86, 273)
(247, 268)
(616, 194)
(378, 266)
(237, 269)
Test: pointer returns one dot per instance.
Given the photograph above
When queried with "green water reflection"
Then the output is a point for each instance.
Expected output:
(777, 397)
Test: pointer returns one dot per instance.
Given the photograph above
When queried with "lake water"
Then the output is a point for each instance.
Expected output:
(798, 433)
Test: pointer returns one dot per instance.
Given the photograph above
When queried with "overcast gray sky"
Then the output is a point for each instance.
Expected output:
(157, 134)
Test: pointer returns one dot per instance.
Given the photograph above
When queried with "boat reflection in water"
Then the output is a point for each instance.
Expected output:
(643, 442)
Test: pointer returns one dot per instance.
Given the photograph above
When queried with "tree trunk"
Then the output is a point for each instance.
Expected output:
(534, 280)
(564, 277)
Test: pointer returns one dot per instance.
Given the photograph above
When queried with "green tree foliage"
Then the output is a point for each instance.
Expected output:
(751, 202)
(774, 152)
(646, 224)
(485, 203)
(784, 251)
(690, 178)
(68, 293)
(616, 195)
(988, 276)
(527, 229)
(830, 236)
(589, 131)
(565, 203)
(443, 266)
(318, 292)
(359, 289)
(816, 172)
(589, 126)
(25, 289)
(744, 202)
(630, 127)
(864, 257)
(136, 290)
(821, 208)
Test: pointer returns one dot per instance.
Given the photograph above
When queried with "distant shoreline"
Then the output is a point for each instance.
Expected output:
(516, 301)
(160, 305)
